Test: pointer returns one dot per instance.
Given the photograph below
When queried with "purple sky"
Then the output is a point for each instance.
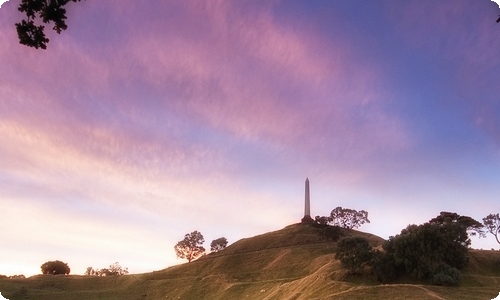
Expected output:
(144, 122)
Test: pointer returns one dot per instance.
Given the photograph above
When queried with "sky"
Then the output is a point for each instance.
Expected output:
(144, 122)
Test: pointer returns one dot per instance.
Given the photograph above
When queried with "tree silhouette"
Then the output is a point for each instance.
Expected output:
(348, 218)
(492, 224)
(55, 268)
(218, 244)
(46, 11)
(191, 246)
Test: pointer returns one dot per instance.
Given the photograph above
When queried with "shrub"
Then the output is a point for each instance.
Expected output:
(447, 276)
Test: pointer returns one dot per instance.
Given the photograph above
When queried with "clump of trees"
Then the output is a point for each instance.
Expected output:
(191, 247)
(114, 269)
(435, 251)
(55, 267)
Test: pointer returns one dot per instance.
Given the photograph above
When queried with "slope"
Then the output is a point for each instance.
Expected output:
(291, 263)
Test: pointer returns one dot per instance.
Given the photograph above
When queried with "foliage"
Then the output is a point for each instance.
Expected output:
(423, 251)
(354, 253)
(322, 220)
(384, 267)
(113, 270)
(191, 246)
(55, 267)
(492, 224)
(329, 233)
(91, 272)
(472, 226)
(348, 218)
(47, 11)
(447, 276)
(218, 244)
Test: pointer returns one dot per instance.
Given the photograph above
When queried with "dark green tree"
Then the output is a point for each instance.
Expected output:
(354, 253)
(348, 218)
(55, 268)
(492, 224)
(218, 244)
(29, 30)
(191, 246)
(426, 250)
(472, 226)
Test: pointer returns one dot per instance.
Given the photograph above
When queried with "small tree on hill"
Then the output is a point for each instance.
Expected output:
(218, 244)
(191, 246)
(55, 268)
(348, 218)
(492, 224)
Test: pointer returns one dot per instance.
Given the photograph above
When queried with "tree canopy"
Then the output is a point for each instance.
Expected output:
(218, 244)
(114, 269)
(472, 226)
(46, 11)
(492, 224)
(55, 268)
(354, 253)
(434, 251)
(190, 247)
(348, 218)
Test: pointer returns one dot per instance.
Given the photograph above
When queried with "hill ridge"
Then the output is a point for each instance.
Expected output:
(291, 263)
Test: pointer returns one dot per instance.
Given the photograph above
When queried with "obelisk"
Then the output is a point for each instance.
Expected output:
(307, 209)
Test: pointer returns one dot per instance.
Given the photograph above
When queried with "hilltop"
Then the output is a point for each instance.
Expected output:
(291, 263)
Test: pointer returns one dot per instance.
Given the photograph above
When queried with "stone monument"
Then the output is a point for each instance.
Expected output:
(307, 206)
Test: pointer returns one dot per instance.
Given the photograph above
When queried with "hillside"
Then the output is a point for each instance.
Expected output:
(291, 263)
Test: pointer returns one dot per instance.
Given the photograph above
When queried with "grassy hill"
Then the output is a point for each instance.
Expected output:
(291, 263)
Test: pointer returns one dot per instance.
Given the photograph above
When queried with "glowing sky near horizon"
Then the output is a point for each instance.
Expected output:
(141, 123)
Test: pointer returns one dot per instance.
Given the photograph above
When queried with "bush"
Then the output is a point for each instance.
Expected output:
(447, 276)
(354, 253)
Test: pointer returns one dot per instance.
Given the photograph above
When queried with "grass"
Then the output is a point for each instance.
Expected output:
(291, 263)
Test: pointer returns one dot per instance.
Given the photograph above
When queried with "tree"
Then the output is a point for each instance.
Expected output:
(492, 224)
(348, 218)
(55, 268)
(472, 226)
(91, 272)
(46, 11)
(354, 253)
(428, 250)
(218, 244)
(113, 270)
(191, 246)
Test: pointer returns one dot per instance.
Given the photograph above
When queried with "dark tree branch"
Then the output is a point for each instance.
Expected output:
(46, 11)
